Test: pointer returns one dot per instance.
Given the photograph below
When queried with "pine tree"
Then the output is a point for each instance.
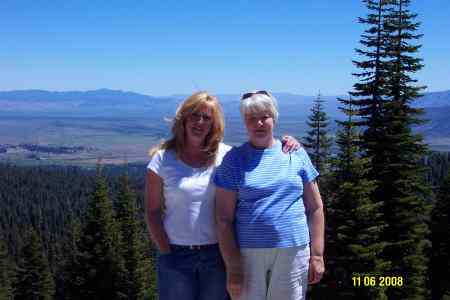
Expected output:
(356, 220)
(34, 280)
(440, 264)
(401, 178)
(370, 93)
(137, 265)
(317, 141)
(318, 144)
(6, 291)
(383, 98)
(101, 270)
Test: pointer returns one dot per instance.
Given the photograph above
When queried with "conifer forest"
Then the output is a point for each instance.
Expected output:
(79, 233)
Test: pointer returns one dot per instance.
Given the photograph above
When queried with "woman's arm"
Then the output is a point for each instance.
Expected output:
(153, 212)
(316, 225)
(225, 211)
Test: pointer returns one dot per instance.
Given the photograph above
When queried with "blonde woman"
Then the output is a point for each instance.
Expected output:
(190, 266)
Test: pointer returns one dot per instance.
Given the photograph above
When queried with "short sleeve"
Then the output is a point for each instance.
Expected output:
(223, 150)
(307, 171)
(155, 163)
(227, 175)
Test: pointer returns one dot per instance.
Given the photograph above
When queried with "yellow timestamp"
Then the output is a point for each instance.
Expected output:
(377, 281)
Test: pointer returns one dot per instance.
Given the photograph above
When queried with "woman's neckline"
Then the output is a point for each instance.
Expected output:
(189, 162)
(273, 147)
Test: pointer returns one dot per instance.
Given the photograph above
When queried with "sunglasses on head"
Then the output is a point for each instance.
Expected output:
(248, 95)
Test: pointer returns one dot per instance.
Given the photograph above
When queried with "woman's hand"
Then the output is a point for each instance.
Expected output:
(290, 144)
(316, 269)
(234, 283)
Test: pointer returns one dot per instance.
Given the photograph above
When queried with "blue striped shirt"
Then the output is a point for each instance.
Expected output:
(269, 188)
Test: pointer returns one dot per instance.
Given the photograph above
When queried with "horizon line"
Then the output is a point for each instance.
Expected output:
(177, 94)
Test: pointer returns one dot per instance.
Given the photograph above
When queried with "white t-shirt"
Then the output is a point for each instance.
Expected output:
(188, 198)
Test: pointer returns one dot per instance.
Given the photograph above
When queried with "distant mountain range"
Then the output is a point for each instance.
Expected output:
(96, 102)
(294, 109)
(77, 101)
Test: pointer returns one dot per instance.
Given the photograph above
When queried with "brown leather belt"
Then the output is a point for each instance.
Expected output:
(193, 247)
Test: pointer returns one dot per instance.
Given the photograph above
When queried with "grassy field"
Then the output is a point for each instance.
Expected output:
(115, 140)
(112, 140)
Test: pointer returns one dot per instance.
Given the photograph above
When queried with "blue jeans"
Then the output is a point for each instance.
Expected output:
(185, 274)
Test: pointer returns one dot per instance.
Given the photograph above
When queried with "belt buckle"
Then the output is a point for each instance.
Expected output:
(195, 247)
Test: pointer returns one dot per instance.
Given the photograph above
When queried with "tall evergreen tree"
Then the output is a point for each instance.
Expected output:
(317, 142)
(370, 93)
(402, 182)
(384, 95)
(440, 264)
(34, 280)
(101, 270)
(6, 291)
(356, 220)
(138, 285)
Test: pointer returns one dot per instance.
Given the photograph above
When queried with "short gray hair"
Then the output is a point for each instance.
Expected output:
(259, 102)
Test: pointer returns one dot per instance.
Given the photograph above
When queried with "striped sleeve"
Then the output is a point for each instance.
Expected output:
(307, 171)
(227, 173)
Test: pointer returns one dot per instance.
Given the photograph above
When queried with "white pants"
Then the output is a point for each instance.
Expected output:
(275, 273)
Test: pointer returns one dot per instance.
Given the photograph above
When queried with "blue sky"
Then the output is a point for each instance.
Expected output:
(177, 46)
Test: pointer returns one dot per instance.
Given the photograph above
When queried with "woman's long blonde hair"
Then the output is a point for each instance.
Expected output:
(184, 110)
